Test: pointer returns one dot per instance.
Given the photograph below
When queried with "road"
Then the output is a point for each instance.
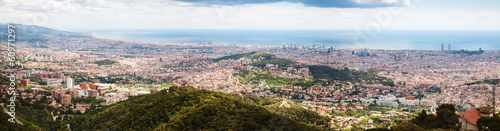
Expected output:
(5, 110)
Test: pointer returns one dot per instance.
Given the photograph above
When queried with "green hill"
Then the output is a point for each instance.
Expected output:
(489, 81)
(251, 55)
(267, 59)
(106, 62)
(6, 125)
(324, 72)
(276, 61)
(186, 108)
(255, 78)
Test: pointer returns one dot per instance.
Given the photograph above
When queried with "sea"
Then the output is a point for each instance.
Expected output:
(383, 39)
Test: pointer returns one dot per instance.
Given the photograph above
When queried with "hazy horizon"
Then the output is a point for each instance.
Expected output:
(387, 39)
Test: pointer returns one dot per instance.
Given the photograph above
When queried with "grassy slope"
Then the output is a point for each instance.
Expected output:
(186, 108)
(6, 125)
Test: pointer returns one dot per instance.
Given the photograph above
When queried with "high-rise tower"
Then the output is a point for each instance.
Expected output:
(442, 47)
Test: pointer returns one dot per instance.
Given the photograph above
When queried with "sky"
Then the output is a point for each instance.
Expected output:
(84, 15)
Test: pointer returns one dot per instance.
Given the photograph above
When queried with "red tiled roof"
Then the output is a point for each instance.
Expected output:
(471, 116)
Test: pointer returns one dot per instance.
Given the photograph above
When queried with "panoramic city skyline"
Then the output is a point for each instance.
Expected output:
(87, 15)
(306, 65)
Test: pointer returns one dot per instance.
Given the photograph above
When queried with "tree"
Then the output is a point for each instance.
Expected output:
(419, 120)
(489, 123)
(407, 126)
(378, 129)
(432, 122)
(446, 114)
(447, 106)
(427, 121)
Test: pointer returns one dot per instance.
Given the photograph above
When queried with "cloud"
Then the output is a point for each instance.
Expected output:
(311, 3)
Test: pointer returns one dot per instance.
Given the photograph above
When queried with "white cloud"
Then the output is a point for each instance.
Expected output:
(154, 14)
(384, 2)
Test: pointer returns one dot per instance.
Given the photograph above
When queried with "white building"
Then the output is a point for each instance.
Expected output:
(53, 82)
(388, 100)
(407, 102)
(69, 82)
(363, 100)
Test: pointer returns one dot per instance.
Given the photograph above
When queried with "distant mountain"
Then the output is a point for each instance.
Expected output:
(186, 108)
(33, 33)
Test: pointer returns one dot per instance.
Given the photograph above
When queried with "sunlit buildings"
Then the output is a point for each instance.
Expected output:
(69, 82)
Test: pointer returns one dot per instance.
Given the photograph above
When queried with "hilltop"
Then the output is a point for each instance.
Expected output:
(324, 72)
(186, 108)
(106, 62)
(251, 55)
(33, 33)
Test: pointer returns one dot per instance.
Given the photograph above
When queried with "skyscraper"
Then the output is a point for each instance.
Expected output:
(442, 47)
(449, 47)
(69, 82)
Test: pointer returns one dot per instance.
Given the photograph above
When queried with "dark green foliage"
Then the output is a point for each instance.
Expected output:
(106, 62)
(257, 77)
(407, 126)
(490, 81)
(446, 113)
(295, 112)
(34, 116)
(489, 123)
(445, 118)
(185, 108)
(86, 100)
(234, 57)
(277, 61)
(420, 119)
(110, 79)
(432, 122)
(378, 129)
(9, 126)
(324, 72)
(251, 55)
(265, 56)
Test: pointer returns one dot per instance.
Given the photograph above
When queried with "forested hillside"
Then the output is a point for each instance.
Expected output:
(186, 108)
